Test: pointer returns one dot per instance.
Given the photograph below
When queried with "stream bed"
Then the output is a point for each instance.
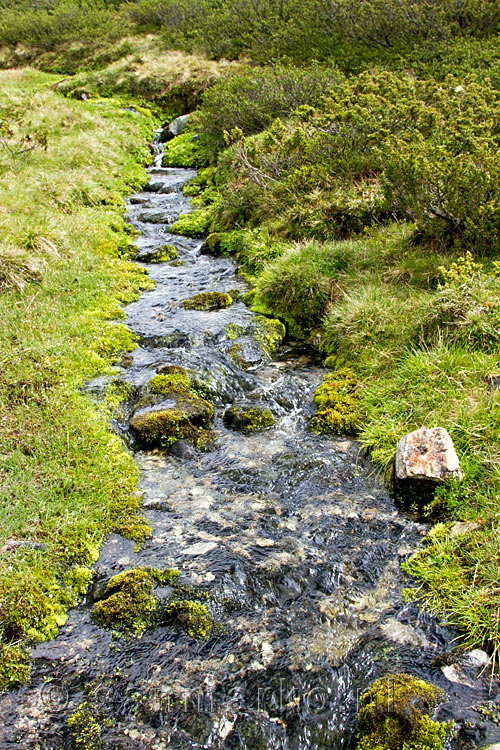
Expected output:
(291, 534)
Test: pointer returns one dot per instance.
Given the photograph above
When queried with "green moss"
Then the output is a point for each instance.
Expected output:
(78, 580)
(208, 301)
(204, 179)
(129, 604)
(269, 332)
(164, 383)
(84, 727)
(160, 255)
(118, 339)
(182, 151)
(249, 419)
(394, 715)
(195, 224)
(337, 403)
(191, 616)
(234, 331)
(14, 665)
(166, 577)
(235, 355)
(136, 528)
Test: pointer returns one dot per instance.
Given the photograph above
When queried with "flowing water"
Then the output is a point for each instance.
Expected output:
(292, 534)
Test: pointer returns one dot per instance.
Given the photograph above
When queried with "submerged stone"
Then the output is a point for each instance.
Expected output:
(208, 301)
(427, 455)
(248, 418)
(395, 712)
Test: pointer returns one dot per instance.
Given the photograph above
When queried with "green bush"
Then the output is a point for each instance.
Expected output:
(253, 99)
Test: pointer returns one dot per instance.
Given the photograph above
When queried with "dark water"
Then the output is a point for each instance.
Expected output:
(292, 535)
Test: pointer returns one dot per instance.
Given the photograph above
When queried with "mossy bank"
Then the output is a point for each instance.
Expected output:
(64, 276)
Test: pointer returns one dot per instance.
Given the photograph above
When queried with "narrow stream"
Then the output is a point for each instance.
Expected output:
(290, 533)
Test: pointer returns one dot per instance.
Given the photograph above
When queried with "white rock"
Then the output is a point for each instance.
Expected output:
(427, 454)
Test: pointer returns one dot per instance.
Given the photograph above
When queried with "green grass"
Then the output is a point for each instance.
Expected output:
(66, 479)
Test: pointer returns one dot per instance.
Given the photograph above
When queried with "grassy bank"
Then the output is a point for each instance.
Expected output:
(66, 480)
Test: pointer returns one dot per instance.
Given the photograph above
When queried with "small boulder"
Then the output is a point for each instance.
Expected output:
(427, 455)
(175, 128)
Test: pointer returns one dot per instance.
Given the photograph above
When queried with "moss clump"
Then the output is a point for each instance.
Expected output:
(129, 604)
(248, 419)
(136, 528)
(394, 715)
(234, 331)
(84, 727)
(160, 255)
(337, 403)
(14, 665)
(195, 224)
(269, 332)
(192, 616)
(182, 151)
(78, 579)
(163, 384)
(211, 246)
(208, 301)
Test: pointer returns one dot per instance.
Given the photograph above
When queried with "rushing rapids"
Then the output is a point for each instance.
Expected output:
(290, 534)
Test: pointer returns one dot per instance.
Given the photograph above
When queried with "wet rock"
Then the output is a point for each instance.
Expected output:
(175, 128)
(427, 455)
(248, 417)
(154, 186)
(161, 254)
(208, 301)
(157, 217)
(247, 354)
(182, 449)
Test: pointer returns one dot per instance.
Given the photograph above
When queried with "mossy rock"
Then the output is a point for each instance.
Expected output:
(160, 255)
(85, 728)
(170, 411)
(191, 616)
(129, 604)
(211, 245)
(394, 715)
(337, 404)
(248, 418)
(208, 301)
(269, 332)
